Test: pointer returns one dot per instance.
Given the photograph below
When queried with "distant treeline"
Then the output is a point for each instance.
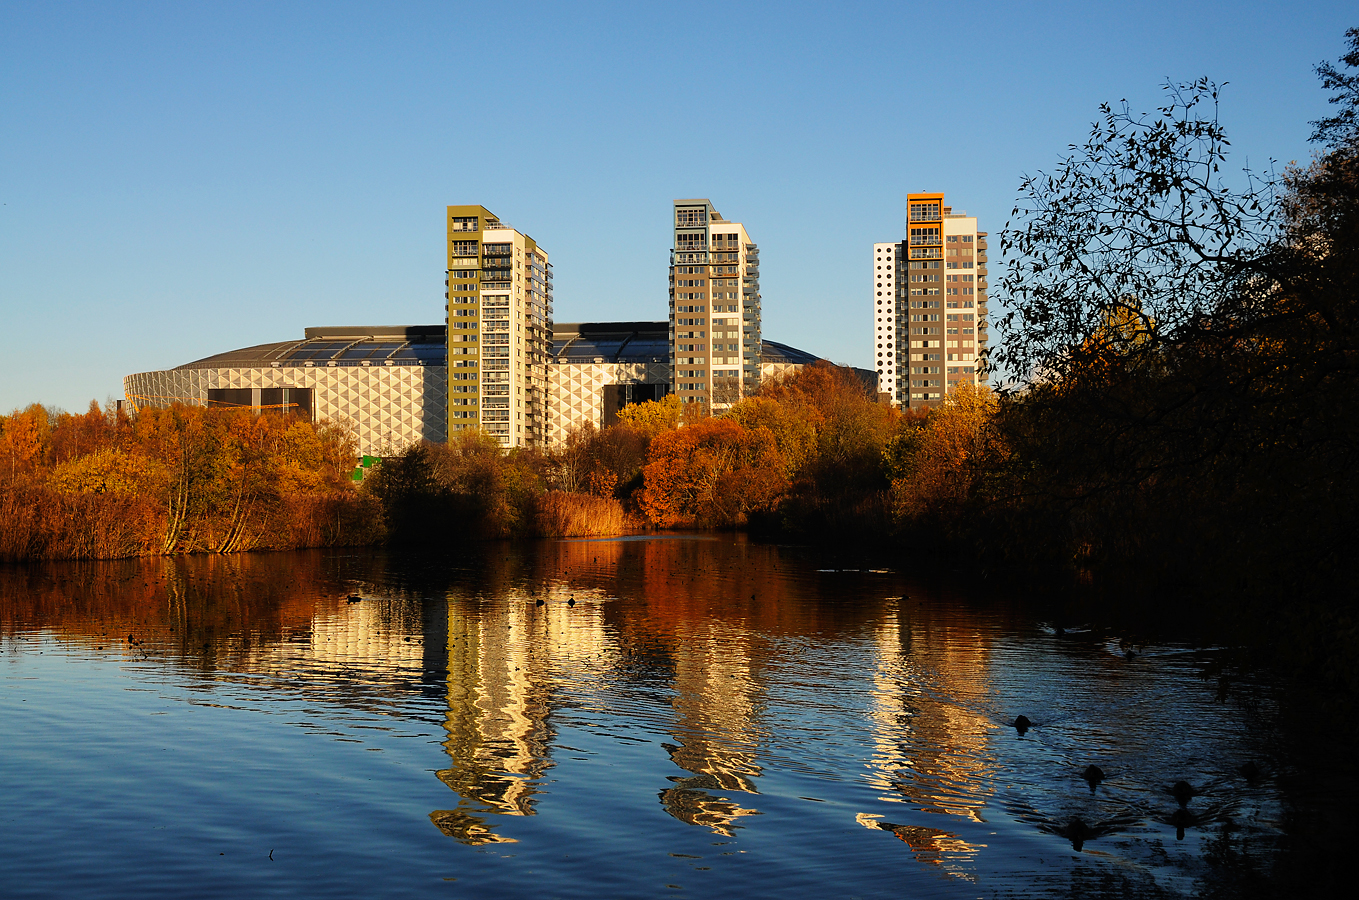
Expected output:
(104, 485)
(812, 456)
(807, 456)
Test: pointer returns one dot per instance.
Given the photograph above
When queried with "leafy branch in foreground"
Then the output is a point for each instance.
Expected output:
(1130, 241)
(1342, 129)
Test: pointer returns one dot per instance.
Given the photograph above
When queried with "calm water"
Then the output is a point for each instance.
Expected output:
(711, 717)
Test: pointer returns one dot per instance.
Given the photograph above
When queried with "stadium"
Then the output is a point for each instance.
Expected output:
(389, 384)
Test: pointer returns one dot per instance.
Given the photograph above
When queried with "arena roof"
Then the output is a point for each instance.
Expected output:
(425, 345)
(401, 345)
(615, 342)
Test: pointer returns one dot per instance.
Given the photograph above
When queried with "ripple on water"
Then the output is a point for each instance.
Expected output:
(712, 714)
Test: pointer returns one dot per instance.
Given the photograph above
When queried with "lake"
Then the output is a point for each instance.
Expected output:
(666, 714)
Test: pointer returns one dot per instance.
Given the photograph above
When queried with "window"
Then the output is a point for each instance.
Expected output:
(687, 217)
(463, 223)
(924, 212)
(464, 248)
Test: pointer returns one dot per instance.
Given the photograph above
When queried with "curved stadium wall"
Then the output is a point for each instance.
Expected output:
(389, 384)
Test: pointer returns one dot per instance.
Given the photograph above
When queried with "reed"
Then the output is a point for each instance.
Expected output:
(566, 514)
(41, 523)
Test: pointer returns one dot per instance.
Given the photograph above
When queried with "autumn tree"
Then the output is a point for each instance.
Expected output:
(935, 462)
(712, 473)
(654, 416)
(182, 479)
(839, 487)
(605, 463)
(1207, 448)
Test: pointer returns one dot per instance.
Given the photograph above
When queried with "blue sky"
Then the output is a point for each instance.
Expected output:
(183, 179)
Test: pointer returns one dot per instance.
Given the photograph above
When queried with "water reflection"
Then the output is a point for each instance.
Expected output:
(931, 742)
(716, 710)
(499, 701)
(747, 691)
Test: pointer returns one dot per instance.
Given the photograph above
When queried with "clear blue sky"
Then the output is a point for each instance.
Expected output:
(181, 179)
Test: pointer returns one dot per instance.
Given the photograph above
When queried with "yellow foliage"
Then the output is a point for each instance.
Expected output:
(108, 471)
(794, 432)
(944, 451)
(654, 416)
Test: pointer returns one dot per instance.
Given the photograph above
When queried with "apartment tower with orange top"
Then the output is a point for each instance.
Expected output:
(930, 313)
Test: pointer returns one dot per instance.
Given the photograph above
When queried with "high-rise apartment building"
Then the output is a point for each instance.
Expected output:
(930, 314)
(714, 307)
(499, 292)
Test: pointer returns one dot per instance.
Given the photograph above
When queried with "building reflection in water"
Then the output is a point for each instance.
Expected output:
(506, 655)
(716, 707)
(688, 622)
(498, 740)
(930, 745)
(680, 633)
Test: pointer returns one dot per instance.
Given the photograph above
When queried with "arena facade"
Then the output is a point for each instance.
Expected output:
(389, 384)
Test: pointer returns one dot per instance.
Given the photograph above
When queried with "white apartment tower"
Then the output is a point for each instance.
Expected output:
(930, 304)
(714, 307)
(499, 290)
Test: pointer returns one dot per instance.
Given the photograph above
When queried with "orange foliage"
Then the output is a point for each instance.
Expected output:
(938, 461)
(182, 479)
(713, 472)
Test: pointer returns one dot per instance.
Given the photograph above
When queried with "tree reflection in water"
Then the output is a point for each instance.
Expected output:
(732, 669)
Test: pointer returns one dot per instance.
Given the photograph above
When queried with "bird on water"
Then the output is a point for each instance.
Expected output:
(1022, 724)
(1182, 791)
(1078, 833)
